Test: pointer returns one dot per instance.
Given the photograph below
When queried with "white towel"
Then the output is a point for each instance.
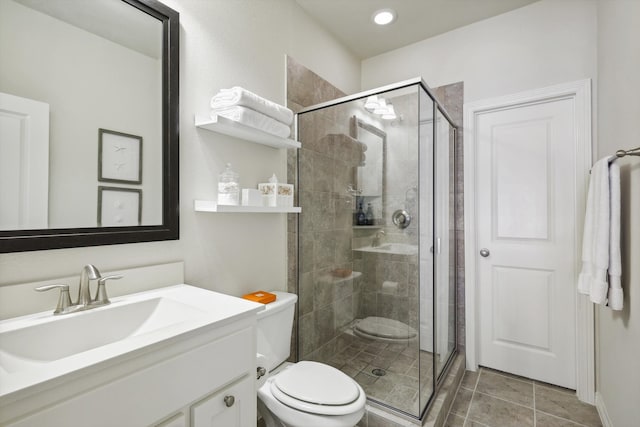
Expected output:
(595, 243)
(252, 118)
(615, 295)
(601, 236)
(240, 96)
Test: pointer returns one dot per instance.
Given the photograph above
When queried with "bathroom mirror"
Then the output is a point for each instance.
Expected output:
(89, 126)
(370, 173)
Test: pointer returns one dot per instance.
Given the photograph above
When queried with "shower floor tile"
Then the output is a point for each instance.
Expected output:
(398, 367)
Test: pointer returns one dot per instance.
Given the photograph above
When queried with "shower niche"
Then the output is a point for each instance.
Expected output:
(377, 296)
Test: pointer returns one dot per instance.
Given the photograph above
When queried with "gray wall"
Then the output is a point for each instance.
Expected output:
(618, 333)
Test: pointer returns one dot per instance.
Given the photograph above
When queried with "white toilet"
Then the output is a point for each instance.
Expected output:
(303, 394)
(384, 329)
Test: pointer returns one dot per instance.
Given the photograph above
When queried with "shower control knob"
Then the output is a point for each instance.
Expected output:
(484, 252)
(229, 401)
(401, 218)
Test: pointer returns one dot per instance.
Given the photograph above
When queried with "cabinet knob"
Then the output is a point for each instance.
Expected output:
(261, 372)
(229, 401)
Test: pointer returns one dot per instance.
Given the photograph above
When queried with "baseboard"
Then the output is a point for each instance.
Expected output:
(602, 411)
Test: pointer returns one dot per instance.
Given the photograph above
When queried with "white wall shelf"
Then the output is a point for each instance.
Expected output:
(211, 206)
(225, 126)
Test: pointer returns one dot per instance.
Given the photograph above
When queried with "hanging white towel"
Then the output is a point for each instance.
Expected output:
(252, 118)
(240, 96)
(601, 237)
(615, 296)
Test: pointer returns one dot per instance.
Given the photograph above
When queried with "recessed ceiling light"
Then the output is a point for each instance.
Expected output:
(384, 16)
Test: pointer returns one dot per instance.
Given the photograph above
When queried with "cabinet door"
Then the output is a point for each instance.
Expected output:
(233, 406)
(178, 420)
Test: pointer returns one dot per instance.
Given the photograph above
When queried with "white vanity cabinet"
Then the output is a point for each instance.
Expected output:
(178, 382)
(230, 407)
(228, 404)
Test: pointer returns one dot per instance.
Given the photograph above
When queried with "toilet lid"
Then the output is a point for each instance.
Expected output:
(385, 328)
(317, 383)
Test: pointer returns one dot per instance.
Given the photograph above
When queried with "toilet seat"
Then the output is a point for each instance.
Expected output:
(384, 328)
(318, 389)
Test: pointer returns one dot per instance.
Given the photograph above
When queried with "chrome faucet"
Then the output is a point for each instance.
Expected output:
(89, 272)
(376, 239)
(84, 302)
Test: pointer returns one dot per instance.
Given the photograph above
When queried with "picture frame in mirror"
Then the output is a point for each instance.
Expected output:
(119, 157)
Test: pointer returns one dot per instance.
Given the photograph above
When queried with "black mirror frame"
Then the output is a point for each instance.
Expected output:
(34, 240)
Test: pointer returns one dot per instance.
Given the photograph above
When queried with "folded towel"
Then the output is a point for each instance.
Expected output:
(601, 237)
(615, 295)
(240, 96)
(252, 118)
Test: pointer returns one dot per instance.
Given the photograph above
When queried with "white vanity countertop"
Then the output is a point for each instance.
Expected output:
(39, 348)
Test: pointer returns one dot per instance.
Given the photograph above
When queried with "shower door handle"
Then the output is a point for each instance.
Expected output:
(484, 252)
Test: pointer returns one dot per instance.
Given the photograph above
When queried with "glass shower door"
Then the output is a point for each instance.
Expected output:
(426, 273)
(445, 304)
(375, 243)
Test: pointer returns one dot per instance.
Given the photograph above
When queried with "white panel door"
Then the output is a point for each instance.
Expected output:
(24, 163)
(525, 240)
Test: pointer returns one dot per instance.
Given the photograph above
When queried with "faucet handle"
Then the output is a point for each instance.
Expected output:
(64, 300)
(101, 293)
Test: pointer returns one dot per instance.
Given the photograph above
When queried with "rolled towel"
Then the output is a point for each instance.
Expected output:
(240, 96)
(254, 119)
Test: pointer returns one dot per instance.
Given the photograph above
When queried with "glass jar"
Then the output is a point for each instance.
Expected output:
(228, 187)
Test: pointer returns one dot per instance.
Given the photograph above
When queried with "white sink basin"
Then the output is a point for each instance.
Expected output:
(66, 335)
(39, 347)
(391, 248)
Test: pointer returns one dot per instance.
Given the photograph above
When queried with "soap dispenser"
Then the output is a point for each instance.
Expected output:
(228, 187)
(369, 215)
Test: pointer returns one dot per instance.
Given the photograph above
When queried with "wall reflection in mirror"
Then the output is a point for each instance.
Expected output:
(70, 68)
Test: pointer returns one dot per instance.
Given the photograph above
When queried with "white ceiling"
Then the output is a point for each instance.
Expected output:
(350, 20)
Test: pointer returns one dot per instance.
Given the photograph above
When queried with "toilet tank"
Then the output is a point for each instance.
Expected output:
(275, 323)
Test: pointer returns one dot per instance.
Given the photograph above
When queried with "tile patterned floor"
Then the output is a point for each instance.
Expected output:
(489, 398)
(407, 381)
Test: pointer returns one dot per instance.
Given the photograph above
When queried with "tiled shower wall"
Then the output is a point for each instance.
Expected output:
(305, 88)
(327, 217)
(327, 303)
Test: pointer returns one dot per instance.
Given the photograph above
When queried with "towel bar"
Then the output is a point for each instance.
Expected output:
(632, 152)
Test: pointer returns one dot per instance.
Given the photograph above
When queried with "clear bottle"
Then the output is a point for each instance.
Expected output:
(369, 215)
(228, 187)
(360, 217)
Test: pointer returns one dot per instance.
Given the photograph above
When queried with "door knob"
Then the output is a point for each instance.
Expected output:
(484, 252)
